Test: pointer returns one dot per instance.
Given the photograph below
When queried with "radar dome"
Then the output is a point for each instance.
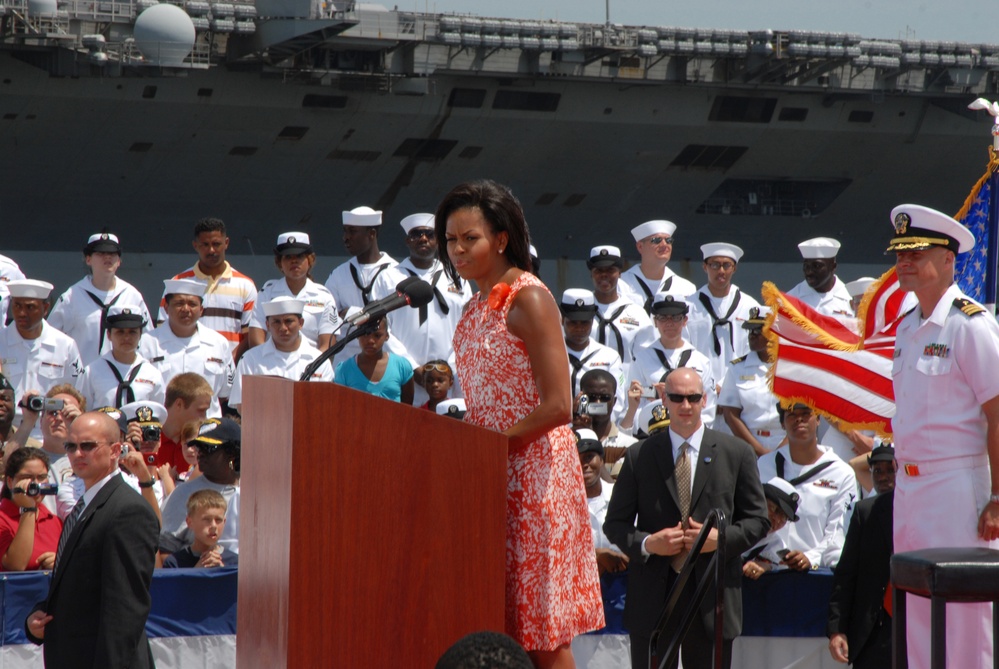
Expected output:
(164, 34)
(42, 8)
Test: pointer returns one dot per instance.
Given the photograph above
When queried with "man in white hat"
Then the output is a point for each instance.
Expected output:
(33, 354)
(425, 333)
(351, 283)
(286, 353)
(822, 290)
(946, 425)
(183, 344)
(229, 294)
(621, 323)
(718, 309)
(121, 375)
(578, 311)
(81, 312)
(654, 241)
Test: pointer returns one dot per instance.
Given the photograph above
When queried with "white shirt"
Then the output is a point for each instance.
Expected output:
(341, 282)
(824, 507)
(746, 388)
(320, 314)
(70, 491)
(645, 289)
(598, 356)
(733, 339)
(627, 320)
(38, 364)
(99, 385)
(598, 511)
(835, 302)
(266, 360)
(76, 314)
(206, 352)
(648, 369)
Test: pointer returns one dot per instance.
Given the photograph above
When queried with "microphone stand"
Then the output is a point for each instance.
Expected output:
(340, 344)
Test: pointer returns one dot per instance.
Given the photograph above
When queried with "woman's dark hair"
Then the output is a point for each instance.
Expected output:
(502, 212)
(16, 460)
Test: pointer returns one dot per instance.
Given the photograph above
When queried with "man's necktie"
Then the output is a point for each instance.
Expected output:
(67, 529)
(681, 472)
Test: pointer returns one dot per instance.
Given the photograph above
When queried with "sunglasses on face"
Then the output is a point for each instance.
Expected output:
(85, 446)
(593, 397)
(659, 240)
(677, 398)
(206, 449)
(417, 233)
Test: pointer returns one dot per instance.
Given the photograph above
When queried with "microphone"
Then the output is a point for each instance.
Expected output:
(411, 291)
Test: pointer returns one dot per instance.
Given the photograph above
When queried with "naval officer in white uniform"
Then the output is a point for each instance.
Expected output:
(578, 311)
(654, 241)
(822, 290)
(351, 282)
(946, 424)
(182, 344)
(286, 353)
(81, 312)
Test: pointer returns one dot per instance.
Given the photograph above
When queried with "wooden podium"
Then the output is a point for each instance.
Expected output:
(372, 534)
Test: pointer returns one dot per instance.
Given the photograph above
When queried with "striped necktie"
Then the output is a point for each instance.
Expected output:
(71, 520)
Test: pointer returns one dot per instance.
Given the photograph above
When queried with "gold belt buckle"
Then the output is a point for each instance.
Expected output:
(911, 470)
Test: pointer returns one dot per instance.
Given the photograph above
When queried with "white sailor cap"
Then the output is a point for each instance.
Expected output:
(820, 247)
(918, 228)
(102, 242)
(578, 304)
(533, 251)
(293, 244)
(453, 408)
(650, 228)
(588, 442)
(184, 287)
(122, 317)
(653, 417)
(363, 217)
(144, 413)
(280, 306)
(29, 288)
(721, 250)
(783, 494)
(414, 221)
(605, 256)
(858, 287)
(757, 318)
(664, 303)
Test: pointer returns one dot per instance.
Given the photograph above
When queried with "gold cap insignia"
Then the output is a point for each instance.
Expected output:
(902, 222)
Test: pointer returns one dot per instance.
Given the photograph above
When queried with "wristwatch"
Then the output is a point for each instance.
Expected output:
(28, 509)
(147, 484)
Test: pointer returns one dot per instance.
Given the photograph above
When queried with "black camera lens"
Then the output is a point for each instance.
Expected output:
(151, 433)
(36, 403)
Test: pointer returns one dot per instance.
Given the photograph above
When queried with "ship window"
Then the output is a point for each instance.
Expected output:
(470, 152)
(325, 101)
(293, 132)
(425, 149)
(793, 114)
(149, 92)
(526, 101)
(546, 198)
(356, 156)
(773, 197)
(205, 92)
(861, 116)
(472, 98)
(242, 150)
(708, 157)
(140, 147)
(741, 109)
(574, 199)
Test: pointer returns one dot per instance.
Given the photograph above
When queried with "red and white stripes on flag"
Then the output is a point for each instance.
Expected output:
(842, 370)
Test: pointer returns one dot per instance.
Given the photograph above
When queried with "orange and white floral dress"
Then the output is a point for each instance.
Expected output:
(552, 585)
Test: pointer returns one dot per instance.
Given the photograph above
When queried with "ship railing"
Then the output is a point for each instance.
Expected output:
(116, 11)
(197, 59)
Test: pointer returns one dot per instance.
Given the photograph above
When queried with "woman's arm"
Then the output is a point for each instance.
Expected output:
(16, 557)
(534, 318)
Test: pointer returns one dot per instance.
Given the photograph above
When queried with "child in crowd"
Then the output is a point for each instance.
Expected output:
(206, 518)
(377, 371)
(437, 381)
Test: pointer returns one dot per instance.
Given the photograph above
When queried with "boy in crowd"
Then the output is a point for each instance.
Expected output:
(206, 519)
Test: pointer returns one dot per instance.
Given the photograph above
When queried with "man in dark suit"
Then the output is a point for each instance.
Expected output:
(721, 472)
(98, 602)
(859, 625)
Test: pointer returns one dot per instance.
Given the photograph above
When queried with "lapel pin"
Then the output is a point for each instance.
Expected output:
(707, 459)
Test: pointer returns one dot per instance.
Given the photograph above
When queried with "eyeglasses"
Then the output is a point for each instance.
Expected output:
(677, 398)
(594, 397)
(436, 367)
(416, 233)
(722, 265)
(659, 240)
(85, 446)
(668, 318)
(207, 449)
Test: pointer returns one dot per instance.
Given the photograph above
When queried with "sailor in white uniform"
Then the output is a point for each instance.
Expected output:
(425, 333)
(669, 351)
(621, 323)
(654, 241)
(121, 375)
(9, 271)
(718, 310)
(182, 344)
(578, 310)
(286, 353)
(351, 282)
(295, 257)
(33, 354)
(81, 312)
(822, 290)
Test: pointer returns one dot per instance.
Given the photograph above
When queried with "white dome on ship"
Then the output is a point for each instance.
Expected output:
(42, 8)
(164, 34)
